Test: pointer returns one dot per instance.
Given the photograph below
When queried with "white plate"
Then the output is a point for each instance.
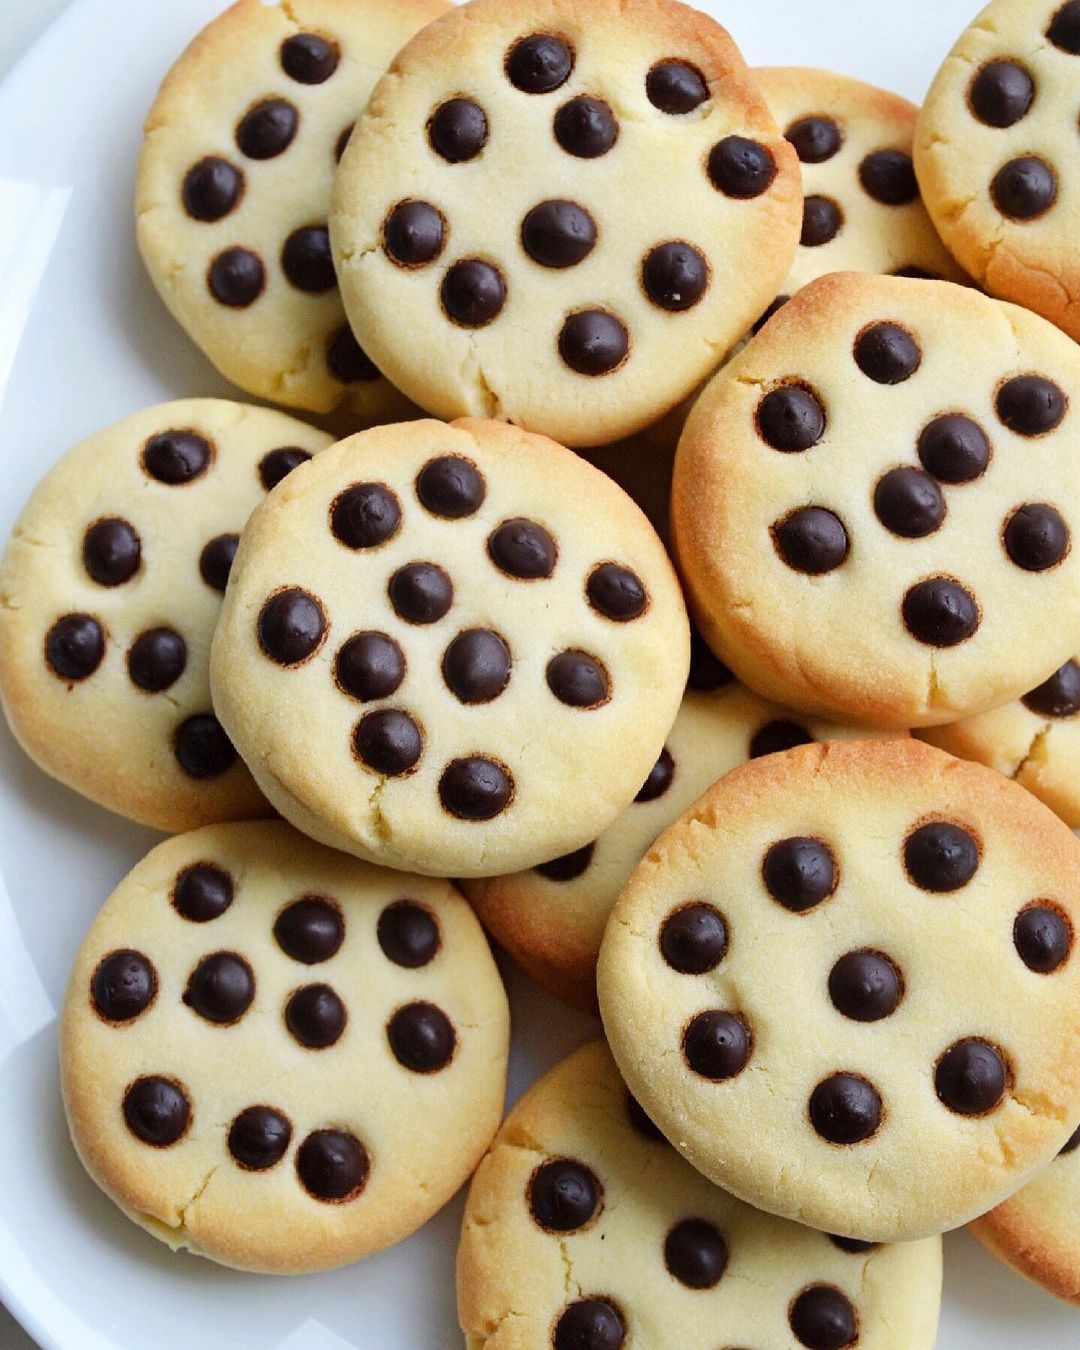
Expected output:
(84, 340)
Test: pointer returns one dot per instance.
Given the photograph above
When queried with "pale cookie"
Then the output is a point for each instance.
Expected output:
(1037, 1230)
(109, 592)
(277, 1056)
(451, 649)
(573, 208)
(233, 192)
(844, 986)
(585, 1230)
(873, 503)
(551, 919)
(997, 153)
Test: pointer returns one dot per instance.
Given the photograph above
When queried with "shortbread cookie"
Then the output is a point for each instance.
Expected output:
(860, 957)
(451, 649)
(490, 205)
(233, 192)
(873, 503)
(551, 918)
(1037, 1230)
(997, 156)
(277, 1056)
(585, 1230)
(109, 592)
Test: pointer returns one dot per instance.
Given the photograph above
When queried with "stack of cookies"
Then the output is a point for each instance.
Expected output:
(765, 747)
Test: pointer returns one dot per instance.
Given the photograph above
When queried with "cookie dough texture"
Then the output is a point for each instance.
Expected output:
(239, 154)
(873, 503)
(517, 1280)
(997, 158)
(421, 1132)
(886, 1106)
(451, 766)
(633, 176)
(115, 546)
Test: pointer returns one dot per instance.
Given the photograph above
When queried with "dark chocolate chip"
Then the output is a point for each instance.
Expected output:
(1001, 93)
(342, 142)
(675, 276)
(365, 515)
(369, 666)
(563, 1195)
(458, 130)
(815, 139)
(800, 873)
(388, 741)
(822, 1318)
(332, 1165)
(1043, 938)
(310, 930)
(422, 1037)
(845, 1108)
(473, 293)
(414, 233)
(216, 560)
(616, 592)
(1036, 537)
(259, 1138)
(851, 1245)
(1059, 696)
(865, 986)
(220, 988)
(971, 1077)
(594, 342)
(1064, 29)
(421, 592)
(641, 1121)
(889, 177)
(123, 985)
(308, 58)
(202, 748)
(306, 260)
(695, 1253)
(811, 540)
(675, 87)
(157, 659)
(211, 189)
(586, 127)
(741, 168)
(237, 278)
(578, 680)
(590, 1324)
(707, 671)
(1071, 1144)
(157, 1111)
(954, 449)
(539, 64)
(568, 867)
(267, 129)
(777, 736)
(887, 353)
(475, 788)
(278, 464)
(408, 934)
(451, 487)
(476, 666)
(791, 418)
(661, 776)
(176, 457)
(1030, 405)
(940, 857)
(523, 549)
(822, 221)
(202, 892)
(111, 551)
(348, 362)
(558, 234)
(315, 1016)
(1024, 188)
(291, 626)
(774, 307)
(909, 503)
(75, 646)
(717, 1045)
(694, 939)
(940, 612)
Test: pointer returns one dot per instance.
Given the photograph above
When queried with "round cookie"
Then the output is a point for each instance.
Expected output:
(451, 649)
(585, 1230)
(873, 503)
(233, 193)
(257, 1036)
(574, 211)
(1037, 1230)
(109, 591)
(859, 956)
(551, 919)
(1035, 741)
(997, 153)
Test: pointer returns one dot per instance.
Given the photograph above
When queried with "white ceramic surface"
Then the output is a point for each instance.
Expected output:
(84, 340)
